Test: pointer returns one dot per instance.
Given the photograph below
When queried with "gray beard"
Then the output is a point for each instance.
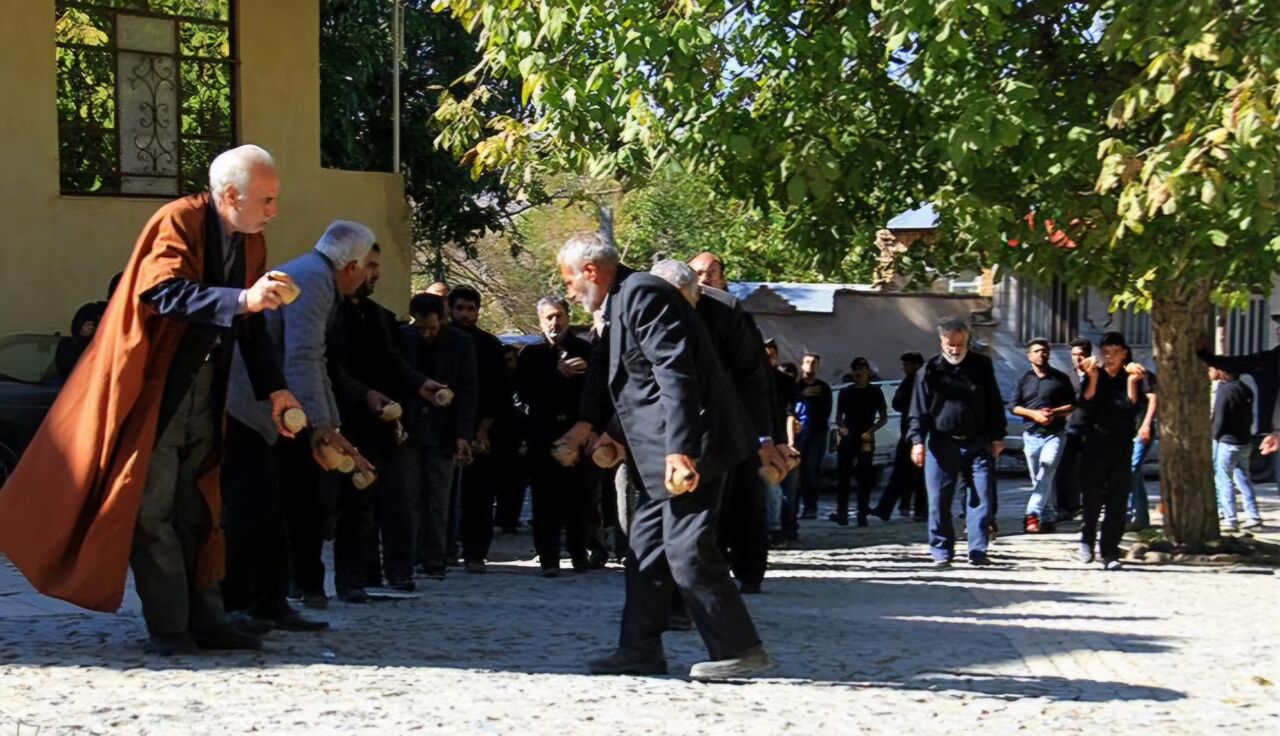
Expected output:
(954, 359)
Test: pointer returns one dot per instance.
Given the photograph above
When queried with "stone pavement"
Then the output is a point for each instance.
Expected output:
(867, 640)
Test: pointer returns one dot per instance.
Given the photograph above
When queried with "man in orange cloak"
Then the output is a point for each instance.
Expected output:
(124, 470)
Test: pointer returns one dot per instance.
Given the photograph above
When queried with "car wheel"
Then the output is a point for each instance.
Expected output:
(8, 461)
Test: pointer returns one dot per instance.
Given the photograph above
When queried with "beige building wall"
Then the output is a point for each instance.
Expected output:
(57, 252)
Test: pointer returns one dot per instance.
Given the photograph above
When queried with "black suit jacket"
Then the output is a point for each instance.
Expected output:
(740, 348)
(551, 397)
(454, 365)
(656, 367)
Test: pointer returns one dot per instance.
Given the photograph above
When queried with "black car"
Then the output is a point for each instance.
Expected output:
(28, 384)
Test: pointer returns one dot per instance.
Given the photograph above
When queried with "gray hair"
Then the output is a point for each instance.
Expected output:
(234, 168)
(552, 301)
(583, 248)
(951, 325)
(346, 242)
(676, 273)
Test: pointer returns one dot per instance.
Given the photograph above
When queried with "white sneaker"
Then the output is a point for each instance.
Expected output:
(1251, 524)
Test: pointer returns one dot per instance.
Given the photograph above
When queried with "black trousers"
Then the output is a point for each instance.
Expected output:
(511, 479)
(355, 542)
(673, 545)
(744, 533)
(1108, 478)
(309, 495)
(813, 448)
(1067, 481)
(476, 507)
(560, 501)
(906, 485)
(853, 462)
(253, 519)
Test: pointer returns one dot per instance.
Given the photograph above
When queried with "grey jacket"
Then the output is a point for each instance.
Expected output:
(299, 336)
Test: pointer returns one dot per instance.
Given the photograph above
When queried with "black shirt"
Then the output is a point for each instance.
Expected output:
(1233, 413)
(858, 408)
(551, 397)
(1109, 410)
(812, 406)
(491, 372)
(902, 401)
(961, 400)
(1034, 392)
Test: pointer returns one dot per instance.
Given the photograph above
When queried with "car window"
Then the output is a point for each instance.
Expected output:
(28, 357)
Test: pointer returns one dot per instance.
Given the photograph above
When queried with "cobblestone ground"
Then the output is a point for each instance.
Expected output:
(867, 640)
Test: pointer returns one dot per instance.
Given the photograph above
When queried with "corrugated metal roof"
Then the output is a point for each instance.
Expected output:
(812, 298)
(921, 218)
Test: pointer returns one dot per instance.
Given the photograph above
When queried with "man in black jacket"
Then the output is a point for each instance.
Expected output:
(957, 430)
(549, 379)
(477, 485)
(811, 407)
(656, 369)
(1232, 445)
(439, 438)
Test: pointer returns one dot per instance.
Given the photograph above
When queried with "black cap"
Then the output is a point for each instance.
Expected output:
(912, 357)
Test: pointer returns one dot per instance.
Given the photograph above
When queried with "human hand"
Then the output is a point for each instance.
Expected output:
(995, 448)
(270, 291)
(462, 454)
(281, 402)
(682, 474)
(917, 455)
(377, 402)
(571, 367)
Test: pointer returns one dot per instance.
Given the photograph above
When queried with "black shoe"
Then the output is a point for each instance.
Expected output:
(980, 561)
(432, 573)
(315, 599)
(841, 520)
(247, 624)
(404, 586)
(808, 514)
(623, 662)
(581, 564)
(679, 622)
(226, 638)
(353, 595)
(172, 645)
(475, 567)
(294, 621)
(862, 521)
(551, 572)
(776, 539)
(749, 588)
(754, 661)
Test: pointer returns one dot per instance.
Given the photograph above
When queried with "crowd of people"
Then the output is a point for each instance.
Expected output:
(225, 420)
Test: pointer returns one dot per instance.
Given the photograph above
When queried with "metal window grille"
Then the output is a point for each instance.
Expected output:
(145, 94)
(1051, 312)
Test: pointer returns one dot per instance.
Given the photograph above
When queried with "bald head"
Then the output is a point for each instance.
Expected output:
(709, 269)
(439, 288)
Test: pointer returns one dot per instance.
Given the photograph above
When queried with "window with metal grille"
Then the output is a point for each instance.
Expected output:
(146, 94)
(1051, 312)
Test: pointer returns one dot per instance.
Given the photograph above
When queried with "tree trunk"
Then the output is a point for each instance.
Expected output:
(1186, 455)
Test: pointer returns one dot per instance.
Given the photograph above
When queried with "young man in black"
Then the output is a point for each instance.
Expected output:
(1110, 396)
(1043, 398)
(812, 409)
(1232, 446)
(860, 412)
(1067, 479)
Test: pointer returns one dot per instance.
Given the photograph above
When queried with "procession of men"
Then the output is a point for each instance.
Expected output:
(224, 421)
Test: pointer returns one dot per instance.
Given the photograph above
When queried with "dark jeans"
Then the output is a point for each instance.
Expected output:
(1108, 479)
(905, 486)
(673, 544)
(853, 462)
(964, 466)
(511, 480)
(253, 520)
(1070, 468)
(743, 528)
(560, 498)
(427, 474)
(813, 447)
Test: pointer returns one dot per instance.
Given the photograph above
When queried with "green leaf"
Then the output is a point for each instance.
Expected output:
(1219, 238)
(797, 191)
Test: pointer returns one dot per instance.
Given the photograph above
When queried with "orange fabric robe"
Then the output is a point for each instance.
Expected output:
(67, 514)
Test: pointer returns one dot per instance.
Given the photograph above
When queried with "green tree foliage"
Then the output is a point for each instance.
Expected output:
(449, 205)
(1127, 146)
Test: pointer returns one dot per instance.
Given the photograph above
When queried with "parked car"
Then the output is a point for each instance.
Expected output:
(28, 384)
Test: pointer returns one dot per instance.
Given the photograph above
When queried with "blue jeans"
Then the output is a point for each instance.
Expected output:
(1231, 471)
(963, 465)
(1043, 454)
(1139, 513)
(773, 508)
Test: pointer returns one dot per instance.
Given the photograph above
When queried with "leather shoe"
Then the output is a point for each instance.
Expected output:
(626, 662)
(294, 621)
(226, 638)
(679, 622)
(247, 624)
(749, 588)
(751, 662)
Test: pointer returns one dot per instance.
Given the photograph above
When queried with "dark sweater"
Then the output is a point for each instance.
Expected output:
(961, 401)
(1110, 409)
(1233, 413)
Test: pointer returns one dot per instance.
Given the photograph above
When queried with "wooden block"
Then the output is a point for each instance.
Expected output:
(295, 420)
(391, 412)
(682, 484)
(606, 456)
(443, 397)
(335, 459)
(363, 480)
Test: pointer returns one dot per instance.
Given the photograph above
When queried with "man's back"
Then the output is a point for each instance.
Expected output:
(1233, 413)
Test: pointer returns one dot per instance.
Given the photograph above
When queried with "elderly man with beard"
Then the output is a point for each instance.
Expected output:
(957, 430)
(549, 378)
(655, 368)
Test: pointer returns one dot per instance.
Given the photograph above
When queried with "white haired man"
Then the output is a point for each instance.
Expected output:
(300, 334)
(655, 368)
(124, 469)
